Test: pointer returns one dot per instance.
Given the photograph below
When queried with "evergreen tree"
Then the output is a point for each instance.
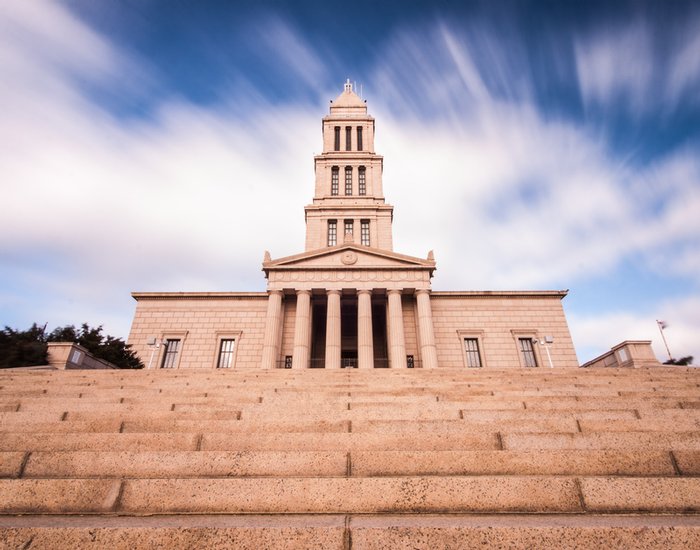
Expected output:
(28, 348)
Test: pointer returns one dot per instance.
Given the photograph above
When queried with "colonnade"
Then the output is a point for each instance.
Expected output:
(396, 342)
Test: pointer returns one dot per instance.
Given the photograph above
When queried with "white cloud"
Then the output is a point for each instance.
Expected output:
(596, 334)
(191, 198)
(616, 64)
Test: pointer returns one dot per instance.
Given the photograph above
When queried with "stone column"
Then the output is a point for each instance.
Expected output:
(333, 330)
(425, 330)
(273, 323)
(302, 330)
(365, 344)
(397, 344)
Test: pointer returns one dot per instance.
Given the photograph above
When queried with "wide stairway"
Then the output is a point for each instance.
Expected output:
(350, 459)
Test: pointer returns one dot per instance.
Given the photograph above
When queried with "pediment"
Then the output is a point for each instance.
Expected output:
(348, 257)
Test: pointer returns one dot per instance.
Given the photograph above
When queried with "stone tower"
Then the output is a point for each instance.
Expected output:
(347, 291)
(348, 204)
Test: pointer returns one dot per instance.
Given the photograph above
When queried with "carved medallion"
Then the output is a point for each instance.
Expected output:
(349, 257)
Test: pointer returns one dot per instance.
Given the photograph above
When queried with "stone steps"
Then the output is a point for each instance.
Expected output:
(350, 459)
(181, 464)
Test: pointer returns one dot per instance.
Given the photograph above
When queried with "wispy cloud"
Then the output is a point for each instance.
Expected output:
(509, 194)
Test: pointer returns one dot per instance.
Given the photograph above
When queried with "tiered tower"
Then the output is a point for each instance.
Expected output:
(347, 298)
(348, 204)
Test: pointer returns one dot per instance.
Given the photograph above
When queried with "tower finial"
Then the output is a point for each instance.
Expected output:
(348, 85)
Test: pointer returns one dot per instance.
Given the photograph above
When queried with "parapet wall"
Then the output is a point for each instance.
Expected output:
(630, 353)
(69, 355)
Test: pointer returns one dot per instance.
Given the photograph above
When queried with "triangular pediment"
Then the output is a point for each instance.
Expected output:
(348, 256)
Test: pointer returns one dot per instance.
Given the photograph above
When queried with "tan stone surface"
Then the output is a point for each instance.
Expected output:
(568, 533)
(10, 464)
(183, 464)
(641, 494)
(58, 496)
(375, 447)
(688, 462)
(388, 463)
(353, 495)
(628, 440)
(98, 441)
(346, 441)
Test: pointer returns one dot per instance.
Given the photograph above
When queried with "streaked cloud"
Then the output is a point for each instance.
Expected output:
(509, 193)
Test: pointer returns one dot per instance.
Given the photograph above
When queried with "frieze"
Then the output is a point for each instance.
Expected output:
(299, 279)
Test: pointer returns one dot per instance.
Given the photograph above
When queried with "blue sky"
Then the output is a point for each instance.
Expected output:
(531, 145)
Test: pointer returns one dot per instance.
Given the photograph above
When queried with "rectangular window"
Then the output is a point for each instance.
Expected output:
(348, 227)
(226, 353)
(528, 352)
(287, 361)
(359, 138)
(336, 142)
(471, 349)
(348, 138)
(348, 180)
(409, 361)
(332, 232)
(335, 178)
(361, 181)
(172, 350)
(364, 232)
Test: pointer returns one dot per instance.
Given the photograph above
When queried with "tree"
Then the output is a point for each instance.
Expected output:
(28, 348)
(683, 361)
(22, 348)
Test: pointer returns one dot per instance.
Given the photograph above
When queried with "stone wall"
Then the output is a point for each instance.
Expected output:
(68, 355)
(200, 321)
(630, 353)
(497, 320)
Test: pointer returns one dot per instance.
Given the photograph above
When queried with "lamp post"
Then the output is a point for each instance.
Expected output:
(545, 344)
(662, 325)
(154, 344)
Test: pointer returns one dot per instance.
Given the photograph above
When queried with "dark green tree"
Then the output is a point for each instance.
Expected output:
(28, 348)
(22, 348)
(683, 361)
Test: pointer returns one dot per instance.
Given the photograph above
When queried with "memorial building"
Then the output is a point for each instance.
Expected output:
(349, 300)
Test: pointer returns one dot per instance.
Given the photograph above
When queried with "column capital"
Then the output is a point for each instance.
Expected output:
(394, 291)
(302, 291)
(423, 291)
(275, 292)
(364, 291)
(332, 291)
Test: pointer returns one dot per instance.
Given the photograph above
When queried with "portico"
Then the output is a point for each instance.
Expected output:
(345, 308)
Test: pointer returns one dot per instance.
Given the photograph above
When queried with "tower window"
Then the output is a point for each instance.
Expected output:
(348, 180)
(361, 181)
(527, 352)
(336, 143)
(348, 138)
(172, 350)
(226, 353)
(364, 232)
(335, 177)
(332, 232)
(359, 138)
(348, 227)
(471, 349)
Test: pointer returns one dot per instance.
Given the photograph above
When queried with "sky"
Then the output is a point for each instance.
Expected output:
(153, 145)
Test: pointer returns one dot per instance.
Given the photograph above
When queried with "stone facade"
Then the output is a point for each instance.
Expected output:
(349, 300)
